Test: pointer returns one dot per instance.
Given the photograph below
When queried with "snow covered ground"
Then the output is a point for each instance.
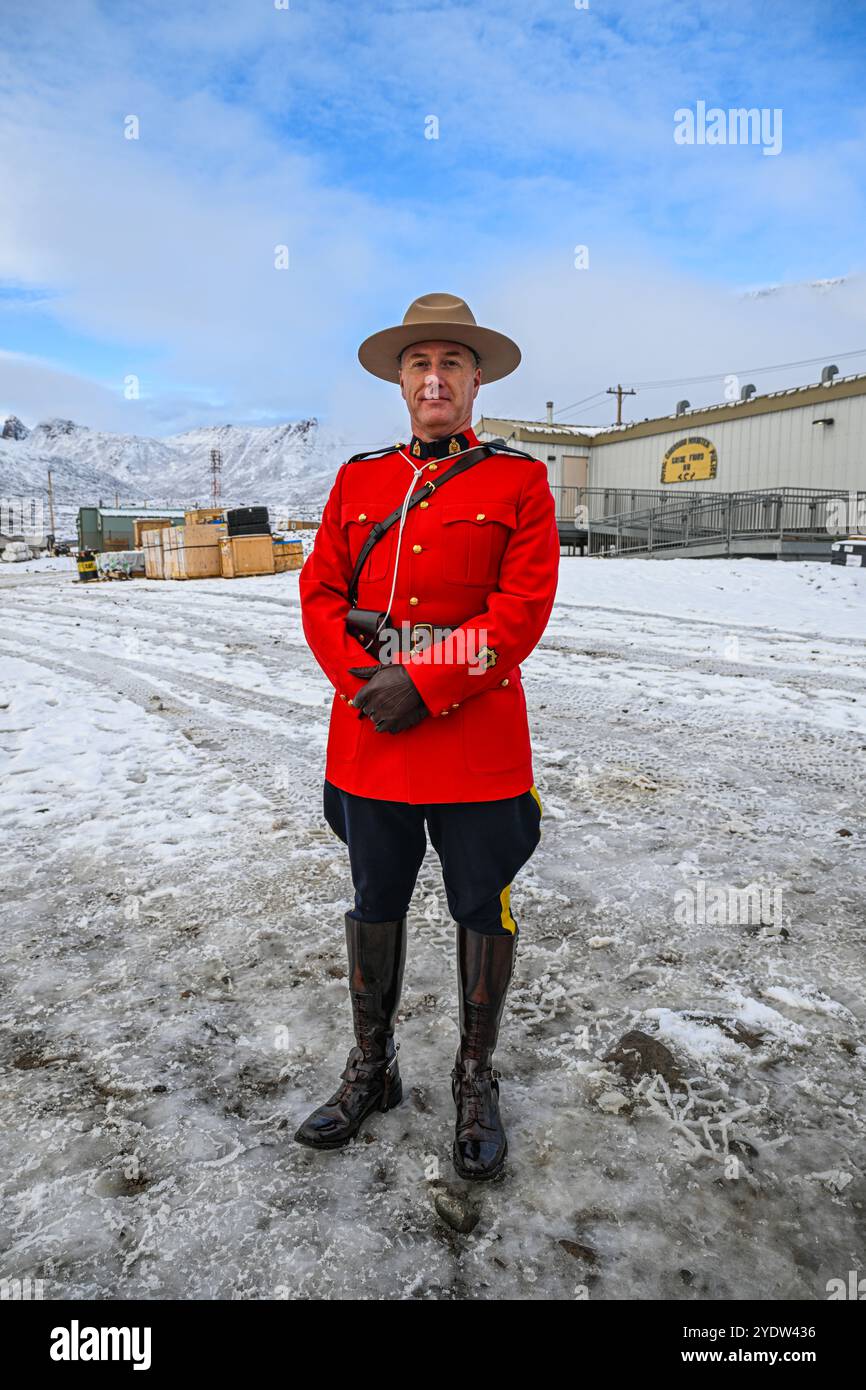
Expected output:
(173, 976)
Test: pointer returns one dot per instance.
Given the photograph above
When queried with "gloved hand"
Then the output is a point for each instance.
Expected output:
(390, 698)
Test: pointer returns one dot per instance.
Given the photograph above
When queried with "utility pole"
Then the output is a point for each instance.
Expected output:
(216, 467)
(51, 502)
(619, 393)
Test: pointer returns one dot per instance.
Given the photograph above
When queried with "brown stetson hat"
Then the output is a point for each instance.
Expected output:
(443, 317)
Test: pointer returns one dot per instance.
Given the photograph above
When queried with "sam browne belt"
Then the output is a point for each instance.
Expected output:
(365, 623)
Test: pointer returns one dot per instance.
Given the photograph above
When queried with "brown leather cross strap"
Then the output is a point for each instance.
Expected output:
(380, 527)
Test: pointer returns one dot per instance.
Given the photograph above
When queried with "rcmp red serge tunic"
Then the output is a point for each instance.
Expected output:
(482, 557)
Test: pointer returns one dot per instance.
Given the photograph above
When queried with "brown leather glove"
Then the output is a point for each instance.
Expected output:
(390, 698)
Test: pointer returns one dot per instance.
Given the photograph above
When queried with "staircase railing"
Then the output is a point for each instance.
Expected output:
(720, 519)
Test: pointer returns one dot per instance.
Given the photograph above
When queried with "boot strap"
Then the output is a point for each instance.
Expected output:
(360, 1068)
(470, 1081)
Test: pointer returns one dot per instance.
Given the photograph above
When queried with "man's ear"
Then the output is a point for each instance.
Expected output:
(402, 389)
(477, 382)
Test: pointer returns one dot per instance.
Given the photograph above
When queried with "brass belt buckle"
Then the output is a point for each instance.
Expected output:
(417, 629)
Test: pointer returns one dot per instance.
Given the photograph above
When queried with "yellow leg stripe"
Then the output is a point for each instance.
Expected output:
(505, 917)
(534, 791)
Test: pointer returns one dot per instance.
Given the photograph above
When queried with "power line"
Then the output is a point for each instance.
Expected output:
(598, 396)
(749, 371)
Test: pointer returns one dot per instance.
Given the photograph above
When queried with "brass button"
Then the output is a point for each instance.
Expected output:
(417, 549)
(505, 682)
(479, 516)
(362, 516)
(344, 697)
(432, 467)
(444, 711)
(413, 601)
(456, 706)
(423, 504)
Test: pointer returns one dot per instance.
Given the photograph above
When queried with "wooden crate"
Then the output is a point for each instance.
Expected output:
(146, 523)
(201, 561)
(171, 554)
(152, 546)
(192, 552)
(288, 555)
(153, 564)
(246, 555)
(203, 533)
(202, 514)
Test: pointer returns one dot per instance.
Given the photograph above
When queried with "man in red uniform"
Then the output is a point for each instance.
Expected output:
(435, 730)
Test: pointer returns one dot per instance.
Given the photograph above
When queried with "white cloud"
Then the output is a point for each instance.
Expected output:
(260, 127)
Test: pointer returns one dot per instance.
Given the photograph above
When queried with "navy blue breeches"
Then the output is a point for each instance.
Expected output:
(481, 846)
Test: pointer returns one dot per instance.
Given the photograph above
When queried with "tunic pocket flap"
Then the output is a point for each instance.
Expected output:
(363, 513)
(480, 512)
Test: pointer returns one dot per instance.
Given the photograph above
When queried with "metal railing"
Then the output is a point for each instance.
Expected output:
(581, 504)
(720, 519)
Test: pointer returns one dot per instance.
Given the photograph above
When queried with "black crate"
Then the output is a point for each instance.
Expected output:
(248, 516)
(254, 530)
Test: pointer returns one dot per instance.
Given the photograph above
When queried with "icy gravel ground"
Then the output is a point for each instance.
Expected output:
(173, 977)
(46, 564)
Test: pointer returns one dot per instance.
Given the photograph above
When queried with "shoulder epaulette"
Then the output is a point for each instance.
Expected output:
(374, 453)
(503, 448)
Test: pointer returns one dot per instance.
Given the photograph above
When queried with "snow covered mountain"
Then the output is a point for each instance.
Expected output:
(13, 428)
(819, 286)
(288, 467)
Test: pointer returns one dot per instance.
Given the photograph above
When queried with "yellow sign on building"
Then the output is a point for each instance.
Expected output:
(690, 460)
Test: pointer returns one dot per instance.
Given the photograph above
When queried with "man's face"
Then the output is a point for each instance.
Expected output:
(439, 381)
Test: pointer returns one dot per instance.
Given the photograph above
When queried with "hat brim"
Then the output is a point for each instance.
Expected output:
(379, 353)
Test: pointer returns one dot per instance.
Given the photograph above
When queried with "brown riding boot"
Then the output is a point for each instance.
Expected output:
(371, 1079)
(484, 968)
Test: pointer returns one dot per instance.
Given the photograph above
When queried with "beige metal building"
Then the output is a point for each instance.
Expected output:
(794, 448)
(809, 436)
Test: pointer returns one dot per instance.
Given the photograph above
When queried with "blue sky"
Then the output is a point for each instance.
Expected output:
(260, 126)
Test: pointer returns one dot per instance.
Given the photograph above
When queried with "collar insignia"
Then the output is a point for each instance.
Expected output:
(440, 448)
